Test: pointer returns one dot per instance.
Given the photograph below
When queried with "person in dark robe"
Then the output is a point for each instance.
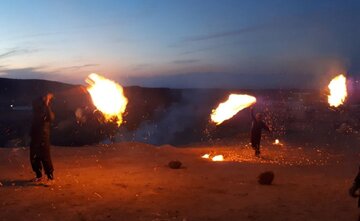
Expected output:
(256, 129)
(353, 191)
(40, 137)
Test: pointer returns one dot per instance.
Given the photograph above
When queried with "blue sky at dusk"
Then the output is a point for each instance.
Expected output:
(181, 43)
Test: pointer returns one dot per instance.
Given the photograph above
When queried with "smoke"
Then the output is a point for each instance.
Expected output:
(180, 123)
(188, 120)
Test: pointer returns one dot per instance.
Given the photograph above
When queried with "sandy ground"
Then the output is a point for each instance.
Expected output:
(131, 181)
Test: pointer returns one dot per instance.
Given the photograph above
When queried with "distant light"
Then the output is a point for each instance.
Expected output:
(11, 105)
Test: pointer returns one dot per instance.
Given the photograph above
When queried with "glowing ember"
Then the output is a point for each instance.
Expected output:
(218, 158)
(277, 142)
(338, 91)
(107, 96)
(234, 104)
(205, 156)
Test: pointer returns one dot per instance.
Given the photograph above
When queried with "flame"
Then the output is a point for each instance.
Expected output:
(277, 142)
(214, 158)
(338, 91)
(234, 104)
(107, 96)
(218, 158)
(206, 156)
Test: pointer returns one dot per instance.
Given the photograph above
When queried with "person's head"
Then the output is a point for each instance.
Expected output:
(258, 117)
(47, 98)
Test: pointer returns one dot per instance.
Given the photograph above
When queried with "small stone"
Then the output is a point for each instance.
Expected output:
(266, 178)
(175, 164)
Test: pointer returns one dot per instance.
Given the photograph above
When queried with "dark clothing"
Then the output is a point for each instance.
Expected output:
(40, 138)
(256, 129)
(355, 187)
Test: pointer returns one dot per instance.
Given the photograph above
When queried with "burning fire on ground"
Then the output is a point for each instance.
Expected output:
(214, 158)
(206, 156)
(338, 91)
(277, 142)
(234, 104)
(107, 96)
(218, 158)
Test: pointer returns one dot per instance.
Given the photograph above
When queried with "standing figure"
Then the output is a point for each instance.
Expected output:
(40, 137)
(256, 129)
(353, 191)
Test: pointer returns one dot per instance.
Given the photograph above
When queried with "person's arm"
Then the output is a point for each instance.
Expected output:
(252, 113)
(355, 186)
(49, 114)
(265, 127)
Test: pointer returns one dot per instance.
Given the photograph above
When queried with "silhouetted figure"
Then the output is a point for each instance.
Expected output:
(256, 128)
(354, 188)
(40, 137)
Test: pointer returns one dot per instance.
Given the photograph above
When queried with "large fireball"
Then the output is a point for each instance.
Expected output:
(338, 91)
(234, 104)
(107, 96)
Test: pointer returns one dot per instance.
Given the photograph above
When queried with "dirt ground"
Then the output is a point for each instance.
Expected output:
(131, 181)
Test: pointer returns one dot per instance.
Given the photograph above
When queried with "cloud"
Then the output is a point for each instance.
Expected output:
(8, 53)
(213, 47)
(75, 67)
(16, 51)
(223, 34)
(187, 61)
(140, 67)
(69, 30)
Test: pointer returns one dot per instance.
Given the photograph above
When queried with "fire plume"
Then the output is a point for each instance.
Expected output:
(338, 91)
(107, 96)
(234, 104)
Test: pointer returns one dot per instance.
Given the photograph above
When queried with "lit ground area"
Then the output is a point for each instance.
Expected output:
(131, 181)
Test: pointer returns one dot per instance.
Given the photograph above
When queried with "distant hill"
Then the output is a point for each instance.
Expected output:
(166, 116)
(21, 92)
(16, 97)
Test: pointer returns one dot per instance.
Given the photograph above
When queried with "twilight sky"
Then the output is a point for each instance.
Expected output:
(181, 43)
